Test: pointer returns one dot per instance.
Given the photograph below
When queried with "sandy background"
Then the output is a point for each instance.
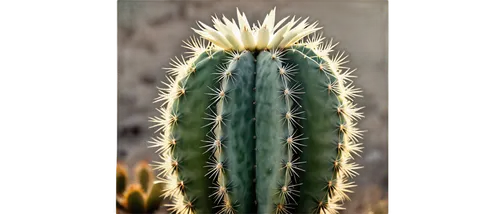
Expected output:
(151, 32)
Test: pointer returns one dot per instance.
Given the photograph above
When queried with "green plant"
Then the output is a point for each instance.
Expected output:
(141, 197)
(259, 120)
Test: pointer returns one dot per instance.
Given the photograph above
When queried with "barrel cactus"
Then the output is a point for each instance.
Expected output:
(141, 196)
(258, 120)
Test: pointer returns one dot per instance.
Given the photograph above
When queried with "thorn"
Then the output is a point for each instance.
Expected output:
(286, 92)
(181, 92)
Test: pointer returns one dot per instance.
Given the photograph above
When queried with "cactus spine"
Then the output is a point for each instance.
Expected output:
(258, 120)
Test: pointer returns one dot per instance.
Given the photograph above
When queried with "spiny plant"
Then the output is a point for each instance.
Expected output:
(144, 196)
(258, 120)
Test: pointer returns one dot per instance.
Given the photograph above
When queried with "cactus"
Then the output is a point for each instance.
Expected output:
(144, 196)
(258, 120)
(381, 207)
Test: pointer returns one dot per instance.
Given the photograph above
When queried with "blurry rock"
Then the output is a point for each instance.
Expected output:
(148, 79)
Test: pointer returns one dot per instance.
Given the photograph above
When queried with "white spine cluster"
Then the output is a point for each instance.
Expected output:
(228, 35)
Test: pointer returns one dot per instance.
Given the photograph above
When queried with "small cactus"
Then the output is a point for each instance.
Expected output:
(258, 120)
(381, 207)
(141, 197)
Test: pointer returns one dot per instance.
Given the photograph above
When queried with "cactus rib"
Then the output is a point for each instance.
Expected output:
(258, 120)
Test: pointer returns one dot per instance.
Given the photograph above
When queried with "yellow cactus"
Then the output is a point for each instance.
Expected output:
(143, 196)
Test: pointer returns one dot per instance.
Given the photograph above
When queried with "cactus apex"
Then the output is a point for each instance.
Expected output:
(144, 175)
(133, 188)
(143, 164)
(121, 168)
(134, 199)
(229, 36)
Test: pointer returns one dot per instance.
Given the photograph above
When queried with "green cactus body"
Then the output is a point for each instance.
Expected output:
(144, 175)
(121, 178)
(135, 200)
(259, 121)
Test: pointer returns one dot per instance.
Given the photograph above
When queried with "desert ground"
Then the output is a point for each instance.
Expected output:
(151, 32)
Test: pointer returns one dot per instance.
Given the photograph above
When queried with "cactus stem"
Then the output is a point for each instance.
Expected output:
(338, 186)
(216, 120)
(277, 40)
(174, 187)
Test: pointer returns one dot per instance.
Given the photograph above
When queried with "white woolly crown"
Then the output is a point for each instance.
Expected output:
(228, 35)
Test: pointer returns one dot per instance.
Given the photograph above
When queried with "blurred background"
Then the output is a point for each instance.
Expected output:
(151, 32)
